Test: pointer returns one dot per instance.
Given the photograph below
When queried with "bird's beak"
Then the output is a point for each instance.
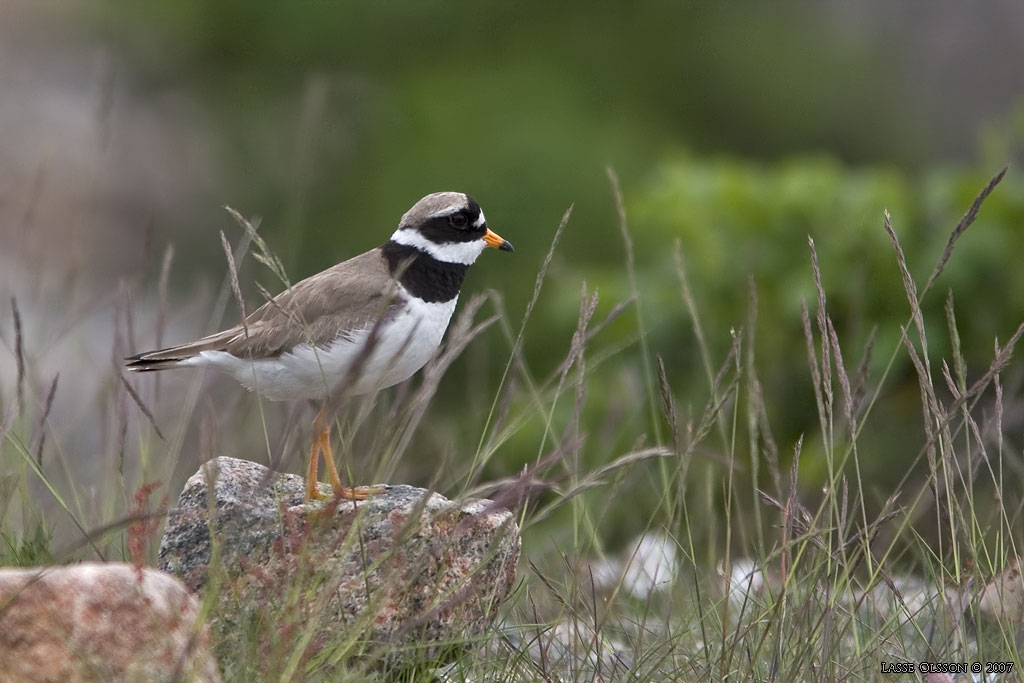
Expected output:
(493, 239)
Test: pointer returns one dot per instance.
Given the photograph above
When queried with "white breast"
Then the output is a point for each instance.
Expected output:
(404, 344)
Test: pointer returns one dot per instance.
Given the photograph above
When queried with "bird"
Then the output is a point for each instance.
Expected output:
(362, 325)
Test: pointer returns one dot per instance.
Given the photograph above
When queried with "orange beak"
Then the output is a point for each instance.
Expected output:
(493, 239)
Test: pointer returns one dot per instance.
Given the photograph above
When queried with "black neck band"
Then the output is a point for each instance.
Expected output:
(422, 275)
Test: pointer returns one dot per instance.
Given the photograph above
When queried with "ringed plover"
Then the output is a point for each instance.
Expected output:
(371, 321)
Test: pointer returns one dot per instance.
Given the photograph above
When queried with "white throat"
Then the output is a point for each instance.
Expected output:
(465, 253)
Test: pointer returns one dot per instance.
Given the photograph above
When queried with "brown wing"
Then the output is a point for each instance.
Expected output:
(347, 297)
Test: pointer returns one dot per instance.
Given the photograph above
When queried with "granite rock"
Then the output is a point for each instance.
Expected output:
(1002, 598)
(100, 622)
(402, 576)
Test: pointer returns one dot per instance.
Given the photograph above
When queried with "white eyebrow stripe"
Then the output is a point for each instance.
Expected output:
(448, 252)
(480, 221)
(447, 211)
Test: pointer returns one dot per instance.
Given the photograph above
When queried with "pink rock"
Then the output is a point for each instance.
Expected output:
(100, 622)
(402, 577)
(1002, 598)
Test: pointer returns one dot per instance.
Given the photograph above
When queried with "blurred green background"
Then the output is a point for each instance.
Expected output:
(737, 129)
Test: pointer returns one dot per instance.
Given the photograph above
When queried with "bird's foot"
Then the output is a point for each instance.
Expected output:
(313, 492)
(358, 492)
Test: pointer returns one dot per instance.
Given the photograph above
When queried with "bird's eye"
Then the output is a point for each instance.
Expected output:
(459, 220)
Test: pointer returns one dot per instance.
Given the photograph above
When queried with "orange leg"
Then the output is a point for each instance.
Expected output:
(322, 445)
(312, 491)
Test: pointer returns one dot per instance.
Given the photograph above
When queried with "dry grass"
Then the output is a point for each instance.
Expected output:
(773, 577)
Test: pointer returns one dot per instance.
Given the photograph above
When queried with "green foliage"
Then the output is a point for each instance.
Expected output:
(738, 219)
(735, 220)
(27, 548)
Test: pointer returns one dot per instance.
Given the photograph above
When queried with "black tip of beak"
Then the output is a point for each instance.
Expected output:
(506, 246)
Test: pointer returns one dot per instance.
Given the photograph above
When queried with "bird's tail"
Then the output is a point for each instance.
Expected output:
(153, 360)
(178, 356)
